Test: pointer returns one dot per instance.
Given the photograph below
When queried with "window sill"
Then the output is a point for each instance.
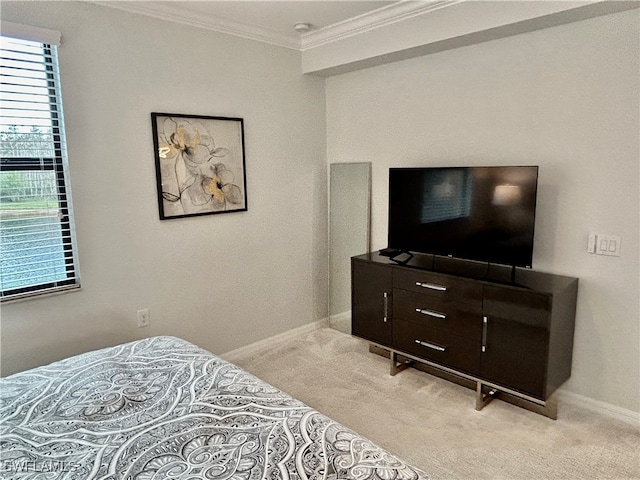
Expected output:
(40, 294)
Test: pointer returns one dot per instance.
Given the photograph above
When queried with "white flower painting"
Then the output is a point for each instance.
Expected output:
(200, 164)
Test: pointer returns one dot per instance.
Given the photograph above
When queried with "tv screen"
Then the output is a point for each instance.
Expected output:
(477, 213)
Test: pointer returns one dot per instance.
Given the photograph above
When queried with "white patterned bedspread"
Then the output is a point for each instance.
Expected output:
(162, 408)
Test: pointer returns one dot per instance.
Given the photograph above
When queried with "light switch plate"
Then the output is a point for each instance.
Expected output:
(607, 245)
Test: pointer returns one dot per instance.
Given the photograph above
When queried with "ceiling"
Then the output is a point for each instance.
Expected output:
(392, 30)
(271, 21)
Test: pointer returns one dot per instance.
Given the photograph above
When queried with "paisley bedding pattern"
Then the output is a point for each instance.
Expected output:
(163, 408)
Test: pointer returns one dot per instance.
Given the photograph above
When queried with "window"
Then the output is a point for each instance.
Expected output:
(37, 237)
(447, 195)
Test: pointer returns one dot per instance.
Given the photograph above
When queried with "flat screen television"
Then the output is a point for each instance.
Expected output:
(485, 214)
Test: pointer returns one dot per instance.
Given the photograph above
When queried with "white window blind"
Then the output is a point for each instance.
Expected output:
(37, 236)
(447, 195)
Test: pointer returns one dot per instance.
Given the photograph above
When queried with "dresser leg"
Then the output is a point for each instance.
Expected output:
(398, 366)
(483, 399)
(551, 407)
(485, 394)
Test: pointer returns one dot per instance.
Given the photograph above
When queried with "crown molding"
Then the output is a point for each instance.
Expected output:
(381, 17)
(173, 13)
(387, 15)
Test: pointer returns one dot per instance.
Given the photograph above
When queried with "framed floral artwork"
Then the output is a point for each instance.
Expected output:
(200, 164)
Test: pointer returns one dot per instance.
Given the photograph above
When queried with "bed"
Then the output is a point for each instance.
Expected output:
(163, 408)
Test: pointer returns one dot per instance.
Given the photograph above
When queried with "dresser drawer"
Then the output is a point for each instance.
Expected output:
(437, 346)
(438, 285)
(463, 319)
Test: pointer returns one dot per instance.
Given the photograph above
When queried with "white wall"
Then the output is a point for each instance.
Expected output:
(564, 98)
(222, 281)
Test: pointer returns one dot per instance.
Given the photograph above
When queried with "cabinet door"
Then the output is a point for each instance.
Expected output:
(371, 287)
(516, 339)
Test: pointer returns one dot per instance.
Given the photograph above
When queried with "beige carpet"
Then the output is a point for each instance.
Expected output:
(433, 424)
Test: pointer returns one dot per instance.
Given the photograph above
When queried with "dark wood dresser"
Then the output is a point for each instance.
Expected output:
(503, 331)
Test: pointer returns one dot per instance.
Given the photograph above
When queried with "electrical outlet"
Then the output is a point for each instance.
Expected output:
(143, 317)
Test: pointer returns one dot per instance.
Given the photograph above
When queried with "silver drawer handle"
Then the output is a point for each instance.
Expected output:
(431, 345)
(432, 286)
(431, 313)
(485, 324)
(386, 307)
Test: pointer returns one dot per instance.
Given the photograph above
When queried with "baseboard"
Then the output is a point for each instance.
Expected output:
(340, 317)
(341, 322)
(281, 337)
(606, 409)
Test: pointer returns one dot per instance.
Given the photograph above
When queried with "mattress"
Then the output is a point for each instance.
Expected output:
(163, 408)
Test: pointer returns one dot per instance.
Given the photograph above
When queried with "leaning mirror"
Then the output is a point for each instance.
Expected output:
(349, 234)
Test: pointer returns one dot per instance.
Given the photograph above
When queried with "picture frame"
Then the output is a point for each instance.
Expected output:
(200, 164)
